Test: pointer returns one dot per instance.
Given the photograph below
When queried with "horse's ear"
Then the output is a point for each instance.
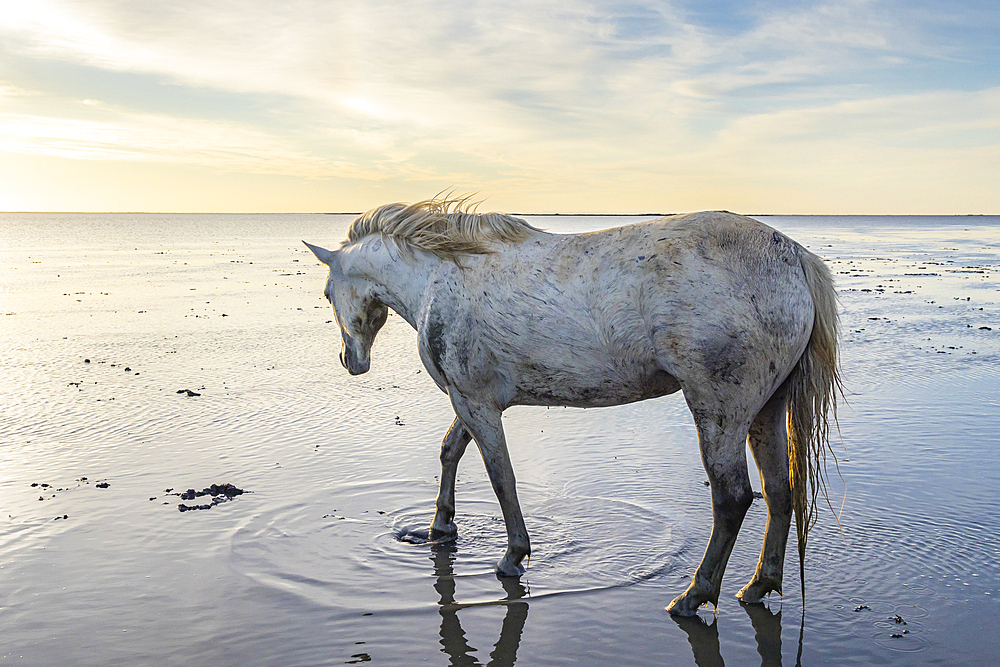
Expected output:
(322, 254)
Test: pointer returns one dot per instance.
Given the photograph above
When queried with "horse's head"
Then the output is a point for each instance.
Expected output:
(358, 310)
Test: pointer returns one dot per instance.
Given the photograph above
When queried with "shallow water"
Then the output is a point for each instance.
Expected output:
(308, 567)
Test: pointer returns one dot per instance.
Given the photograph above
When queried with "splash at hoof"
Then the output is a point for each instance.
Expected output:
(423, 536)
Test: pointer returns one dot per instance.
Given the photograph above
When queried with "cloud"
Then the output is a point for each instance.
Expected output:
(551, 65)
(529, 97)
(157, 138)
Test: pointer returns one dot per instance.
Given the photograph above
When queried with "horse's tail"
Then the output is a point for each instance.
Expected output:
(812, 401)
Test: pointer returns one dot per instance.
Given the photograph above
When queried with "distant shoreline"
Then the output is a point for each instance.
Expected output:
(560, 215)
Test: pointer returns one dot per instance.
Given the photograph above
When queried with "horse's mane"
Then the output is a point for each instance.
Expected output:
(446, 226)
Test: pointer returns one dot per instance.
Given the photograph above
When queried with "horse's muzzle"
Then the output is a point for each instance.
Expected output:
(353, 365)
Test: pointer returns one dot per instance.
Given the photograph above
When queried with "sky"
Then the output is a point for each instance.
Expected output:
(851, 107)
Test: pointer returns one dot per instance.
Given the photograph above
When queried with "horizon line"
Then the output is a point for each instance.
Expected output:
(602, 215)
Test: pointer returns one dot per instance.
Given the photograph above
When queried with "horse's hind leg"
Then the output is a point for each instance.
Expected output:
(723, 453)
(769, 445)
(452, 448)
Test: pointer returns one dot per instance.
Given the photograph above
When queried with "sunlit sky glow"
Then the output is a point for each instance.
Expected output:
(316, 105)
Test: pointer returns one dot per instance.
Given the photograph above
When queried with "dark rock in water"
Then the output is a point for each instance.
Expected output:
(102, 485)
(184, 508)
(220, 493)
(227, 490)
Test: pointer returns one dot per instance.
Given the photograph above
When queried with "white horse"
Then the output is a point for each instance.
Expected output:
(738, 316)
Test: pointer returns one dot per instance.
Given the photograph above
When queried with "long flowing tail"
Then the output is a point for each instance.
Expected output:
(812, 402)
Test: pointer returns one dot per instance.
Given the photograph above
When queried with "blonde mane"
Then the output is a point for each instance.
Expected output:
(446, 226)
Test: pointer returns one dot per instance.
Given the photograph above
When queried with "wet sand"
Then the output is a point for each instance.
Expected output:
(306, 567)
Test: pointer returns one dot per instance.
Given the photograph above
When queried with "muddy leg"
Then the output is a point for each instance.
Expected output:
(483, 422)
(769, 445)
(452, 448)
(724, 456)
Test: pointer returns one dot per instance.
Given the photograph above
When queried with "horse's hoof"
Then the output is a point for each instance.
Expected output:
(683, 606)
(688, 602)
(750, 596)
(755, 591)
(449, 531)
(505, 568)
(509, 573)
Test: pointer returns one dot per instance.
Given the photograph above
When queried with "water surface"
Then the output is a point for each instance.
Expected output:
(104, 318)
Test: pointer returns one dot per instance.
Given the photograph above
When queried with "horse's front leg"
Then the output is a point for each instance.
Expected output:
(452, 448)
(483, 423)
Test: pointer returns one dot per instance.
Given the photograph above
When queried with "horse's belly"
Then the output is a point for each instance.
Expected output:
(594, 391)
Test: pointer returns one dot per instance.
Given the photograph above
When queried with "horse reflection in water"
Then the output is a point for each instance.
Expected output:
(736, 315)
(704, 637)
(453, 638)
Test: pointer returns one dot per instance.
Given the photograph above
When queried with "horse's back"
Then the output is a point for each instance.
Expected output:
(684, 272)
(639, 311)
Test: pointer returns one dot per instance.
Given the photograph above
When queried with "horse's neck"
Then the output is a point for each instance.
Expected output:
(403, 281)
